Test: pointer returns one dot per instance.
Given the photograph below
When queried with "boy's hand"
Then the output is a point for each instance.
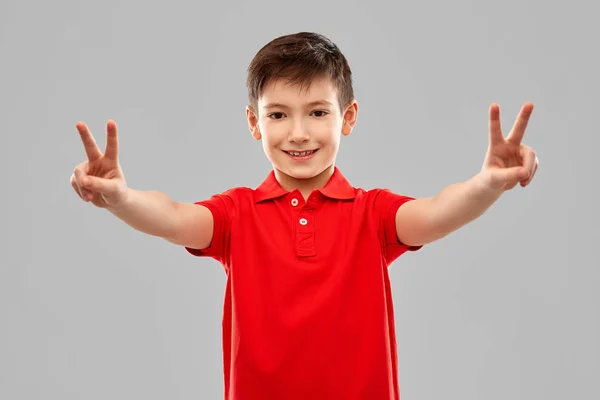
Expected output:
(507, 161)
(100, 180)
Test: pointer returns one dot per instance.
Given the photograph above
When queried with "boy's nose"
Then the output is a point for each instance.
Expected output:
(298, 134)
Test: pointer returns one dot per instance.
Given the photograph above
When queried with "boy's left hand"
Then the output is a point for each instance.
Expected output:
(508, 162)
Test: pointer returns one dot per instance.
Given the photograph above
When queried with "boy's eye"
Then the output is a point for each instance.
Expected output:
(276, 115)
(279, 115)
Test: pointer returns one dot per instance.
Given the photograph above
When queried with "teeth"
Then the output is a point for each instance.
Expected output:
(300, 153)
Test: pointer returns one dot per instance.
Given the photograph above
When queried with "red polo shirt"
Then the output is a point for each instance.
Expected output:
(308, 312)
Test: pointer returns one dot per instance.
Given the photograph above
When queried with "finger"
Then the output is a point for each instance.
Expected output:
(101, 185)
(518, 130)
(91, 148)
(76, 187)
(510, 176)
(495, 126)
(112, 142)
(535, 168)
(80, 174)
(528, 157)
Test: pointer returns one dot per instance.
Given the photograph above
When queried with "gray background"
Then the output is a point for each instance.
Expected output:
(506, 308)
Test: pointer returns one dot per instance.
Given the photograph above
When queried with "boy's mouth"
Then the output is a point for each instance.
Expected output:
(301, 155)
(304, 153)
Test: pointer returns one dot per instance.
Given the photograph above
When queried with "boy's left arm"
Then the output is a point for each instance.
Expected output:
(507, 163)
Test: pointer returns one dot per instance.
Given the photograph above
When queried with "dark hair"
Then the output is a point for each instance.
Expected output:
(300, 58)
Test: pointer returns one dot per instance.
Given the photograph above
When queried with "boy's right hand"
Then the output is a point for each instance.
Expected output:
(100, 180)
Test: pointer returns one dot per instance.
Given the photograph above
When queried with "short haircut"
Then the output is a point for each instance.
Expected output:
(299, 59)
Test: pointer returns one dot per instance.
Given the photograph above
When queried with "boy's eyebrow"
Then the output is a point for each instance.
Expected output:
(311, 104)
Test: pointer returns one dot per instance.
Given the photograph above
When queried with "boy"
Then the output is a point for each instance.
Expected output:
(308, 310)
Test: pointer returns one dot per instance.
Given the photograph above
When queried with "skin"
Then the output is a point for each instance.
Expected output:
(507, 163)
(294, 125)
(297, 125)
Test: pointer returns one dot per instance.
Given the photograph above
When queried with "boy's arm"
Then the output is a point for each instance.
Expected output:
(100, 181)
(507, 163)
(426, 220)
(156, 214)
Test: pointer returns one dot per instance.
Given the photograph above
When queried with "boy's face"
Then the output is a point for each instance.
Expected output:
(300, 130)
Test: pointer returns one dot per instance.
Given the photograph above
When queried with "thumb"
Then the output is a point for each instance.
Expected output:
(511, 175)
(101, 185)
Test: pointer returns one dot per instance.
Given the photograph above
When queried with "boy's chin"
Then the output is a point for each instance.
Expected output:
(303, 172)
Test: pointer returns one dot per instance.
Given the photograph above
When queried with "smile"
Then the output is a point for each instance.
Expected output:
(301, 155)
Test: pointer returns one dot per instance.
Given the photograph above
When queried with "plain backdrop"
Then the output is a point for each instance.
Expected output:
(505, 308)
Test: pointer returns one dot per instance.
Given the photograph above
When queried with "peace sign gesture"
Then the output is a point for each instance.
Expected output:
(100, 180)
(508, 161)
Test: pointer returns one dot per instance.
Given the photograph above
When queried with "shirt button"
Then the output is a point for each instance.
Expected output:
(303, 221)
(294, 202)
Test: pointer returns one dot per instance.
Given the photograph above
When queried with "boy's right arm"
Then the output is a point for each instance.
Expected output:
(156, 214)
(100, 181)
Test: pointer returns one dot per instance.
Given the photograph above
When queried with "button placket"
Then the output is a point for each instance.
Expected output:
(305, 234)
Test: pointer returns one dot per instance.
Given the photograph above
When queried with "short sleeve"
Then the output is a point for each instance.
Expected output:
(387, 204)
(221, 207)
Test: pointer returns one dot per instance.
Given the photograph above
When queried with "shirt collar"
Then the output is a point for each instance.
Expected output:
(336, 188)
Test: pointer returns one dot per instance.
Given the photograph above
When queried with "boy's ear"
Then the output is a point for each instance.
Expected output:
(350, 116)
(252, 122)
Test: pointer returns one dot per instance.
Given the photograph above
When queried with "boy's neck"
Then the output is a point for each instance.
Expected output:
(305, 186)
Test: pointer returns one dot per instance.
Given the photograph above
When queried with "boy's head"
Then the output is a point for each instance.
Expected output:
(285, 80)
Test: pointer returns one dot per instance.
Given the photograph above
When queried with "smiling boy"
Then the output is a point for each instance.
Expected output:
(308, 312)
